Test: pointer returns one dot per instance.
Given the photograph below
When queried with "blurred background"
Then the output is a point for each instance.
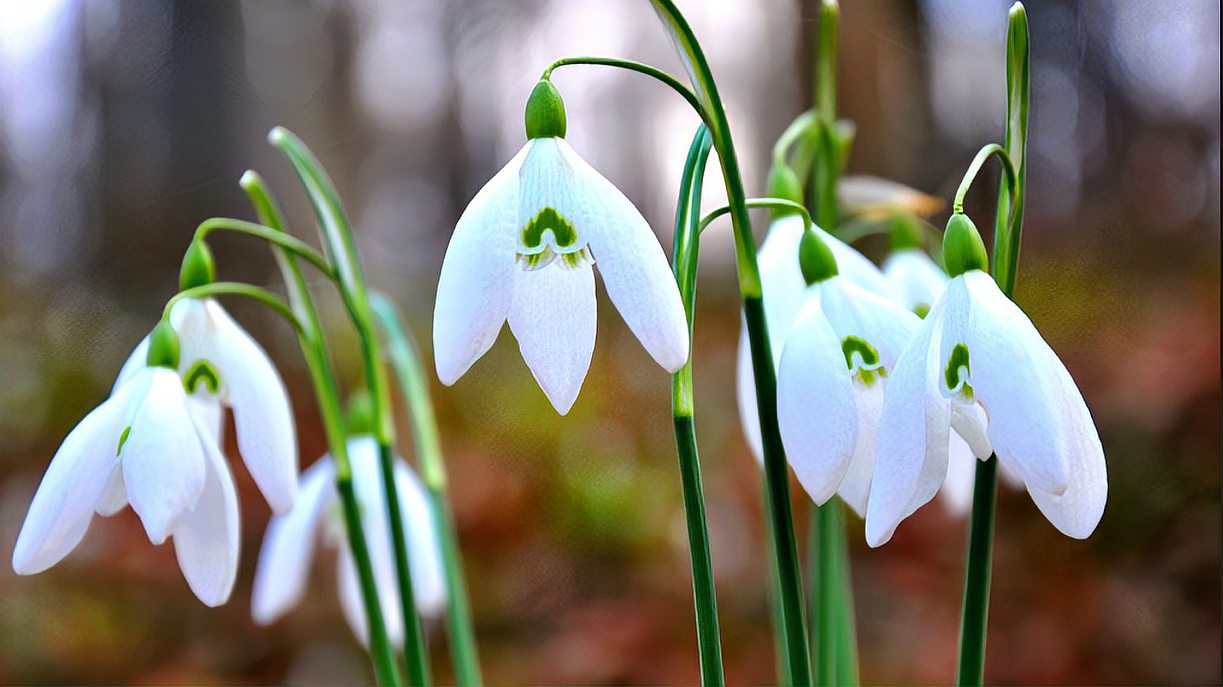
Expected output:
(123, 124)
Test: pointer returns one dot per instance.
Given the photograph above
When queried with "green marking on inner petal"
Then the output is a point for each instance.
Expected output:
(123, 439)
(202, 371)
(854, 344)
(563, 233)
(922, 309)
(958, 368)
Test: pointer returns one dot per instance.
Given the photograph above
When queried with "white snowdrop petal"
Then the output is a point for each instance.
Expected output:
(912, 441)
(745, 390)
(163, 462)
(207, 542)
(854, 311)
(424, 543)
(815, 405)
(969, 422)
(114, 495)
(350, 595)
(856, 485)
(917, 282)
(251, 386)
(474, 289)
(553, 319)
(289, 544)
(1015, 377)
(64, 504)
(630, 259)
(136, 361)
(957, 490)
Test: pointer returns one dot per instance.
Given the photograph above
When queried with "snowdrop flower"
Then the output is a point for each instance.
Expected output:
(523, 251)
(144, 444)
(832, 376)
(916, 281)
(288, 546)
(784, 289)
(977, 364)
(221, 362)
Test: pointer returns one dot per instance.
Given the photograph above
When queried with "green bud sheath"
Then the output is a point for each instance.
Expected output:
(963, 249)
(545, 115)
(163, 346)
(359, 416)
(815, 258)
(784, 184)
(904, 232)
(198, 267)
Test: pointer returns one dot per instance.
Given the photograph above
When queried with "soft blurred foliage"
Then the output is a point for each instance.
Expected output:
(124, 124)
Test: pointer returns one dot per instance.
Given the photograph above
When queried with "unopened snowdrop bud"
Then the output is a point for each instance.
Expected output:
(524, 252)
(198, 268)
(545, 115)
(904, 233)
(963, 249)
(164, 346)
(815, 258)
(359, 416)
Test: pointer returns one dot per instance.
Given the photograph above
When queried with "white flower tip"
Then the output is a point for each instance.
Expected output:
(282, 497)
(213, 598)
(674, 357)
(877, 535)
(23, 561)
(562, 400)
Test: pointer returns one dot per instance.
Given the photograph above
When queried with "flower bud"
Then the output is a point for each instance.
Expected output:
(198, 266)
(784, 184)
(904, 232)
(163, 346)
(815, 258)
(963, 249)
(359, 416)
(545, 115)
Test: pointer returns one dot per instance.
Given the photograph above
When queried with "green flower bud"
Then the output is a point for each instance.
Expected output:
(359, 416)
(545, 116)
(163, 346)
(815, 258)
(905, 232)
(198, 267)
(784, 184)
(963, 249)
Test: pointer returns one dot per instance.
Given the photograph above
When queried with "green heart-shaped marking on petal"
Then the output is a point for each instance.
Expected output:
(958, 370)
(563, 233)
(202, 371)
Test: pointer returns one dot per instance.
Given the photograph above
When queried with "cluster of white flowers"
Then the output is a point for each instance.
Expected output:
(156, 443)
(883, 407)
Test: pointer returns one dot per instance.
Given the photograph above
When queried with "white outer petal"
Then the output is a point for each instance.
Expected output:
(289, 544)
(553, 319)
(916, 280)
(856, 267)
(114, 495)
(1015, 377)
(206, 543)
(136, 360)
(163, 462)
(784, 289)
(914, 429)
(634, 268)
(474, 289)
(251, 386)
(424, 543)
(63, 506)
(854, 311)
(815, 404)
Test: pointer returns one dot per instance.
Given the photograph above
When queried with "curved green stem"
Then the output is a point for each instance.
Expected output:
(337, 236)
(1008, 228)
(776, 471)
(314, 349)
(799, 129)
(639, 67)
(233, 288)
(405, 360)
(279, 239)
(686, 251)
(970, 175)
(774, 203)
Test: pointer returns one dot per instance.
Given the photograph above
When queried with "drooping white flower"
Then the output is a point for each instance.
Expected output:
(153, 445)
(978, 364)
(524, 250)
(831, 383)
(784, 289)
(288, 546)
(220, 360)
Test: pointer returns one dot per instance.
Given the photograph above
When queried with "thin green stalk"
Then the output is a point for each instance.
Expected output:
(337, 236)
(639, 67)
(314, 349)
(827, 161)
(824, 521)
(774, 203)
(234, 288)
(776, 470)
(402, 352)
(686, 251)
(1008, 229)
(847, 631)
(286, 243)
